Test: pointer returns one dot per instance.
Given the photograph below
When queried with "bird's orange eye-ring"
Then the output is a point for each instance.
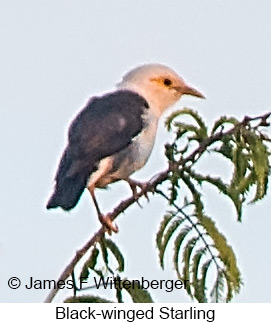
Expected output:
(167, 82)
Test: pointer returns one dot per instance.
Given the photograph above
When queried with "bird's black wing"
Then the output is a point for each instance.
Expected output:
(104, 127)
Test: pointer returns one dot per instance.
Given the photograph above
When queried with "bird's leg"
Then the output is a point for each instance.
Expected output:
(105, 220)
(134, 184)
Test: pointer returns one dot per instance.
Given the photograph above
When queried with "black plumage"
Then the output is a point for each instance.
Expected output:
(105, 126)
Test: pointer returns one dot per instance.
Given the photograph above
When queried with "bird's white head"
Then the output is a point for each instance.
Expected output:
(158, 84)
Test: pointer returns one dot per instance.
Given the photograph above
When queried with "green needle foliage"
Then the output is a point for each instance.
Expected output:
(195, 235)
(201, 254)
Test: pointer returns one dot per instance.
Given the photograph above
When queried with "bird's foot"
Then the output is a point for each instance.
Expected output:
(108, 224)
(134, 185)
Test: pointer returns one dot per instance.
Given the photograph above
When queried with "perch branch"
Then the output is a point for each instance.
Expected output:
(151, 186)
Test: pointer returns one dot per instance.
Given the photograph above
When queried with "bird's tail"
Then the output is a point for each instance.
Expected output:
(67, 193)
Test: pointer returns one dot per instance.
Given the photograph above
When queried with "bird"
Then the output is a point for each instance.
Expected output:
(113, 135)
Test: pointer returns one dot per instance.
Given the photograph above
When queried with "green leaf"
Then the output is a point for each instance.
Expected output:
(99, 273)
(200, 131)
(240, 162)
(86, 299)
(116, 252)
(195, 264)
(177, 246)
(170, 151)
(173, 187)
(186, 263)
(196, 117)
(169, 120)
(119, 294)
(229, 287)
(226, 147)
(237, 199)
(118, 289)
(226, 253)
(199, 293)
(167, 218)
(260, 159)
(89, 264)
(218, 288)
(104, 251)
(222, 121)
(166, 237)
(216, 181)
(246, 182)
(184, 128)
(136, 292)
(235, 194)
(195, 193)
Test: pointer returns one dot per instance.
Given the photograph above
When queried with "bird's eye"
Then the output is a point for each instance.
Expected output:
(167, 82)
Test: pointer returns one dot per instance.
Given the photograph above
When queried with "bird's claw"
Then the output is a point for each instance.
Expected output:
(108, 224)
(134, 184)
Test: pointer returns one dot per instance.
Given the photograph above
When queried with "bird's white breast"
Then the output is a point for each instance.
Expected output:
(144, 142)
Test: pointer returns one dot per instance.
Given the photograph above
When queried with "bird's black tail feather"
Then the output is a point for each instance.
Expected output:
(67, 193)
(71, 180)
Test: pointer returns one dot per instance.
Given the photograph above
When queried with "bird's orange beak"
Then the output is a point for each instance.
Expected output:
(189, 90)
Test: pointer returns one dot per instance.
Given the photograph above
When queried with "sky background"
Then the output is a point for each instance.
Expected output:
(53, 56)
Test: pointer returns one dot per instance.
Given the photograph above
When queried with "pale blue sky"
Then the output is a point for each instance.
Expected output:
(54, 55)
